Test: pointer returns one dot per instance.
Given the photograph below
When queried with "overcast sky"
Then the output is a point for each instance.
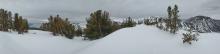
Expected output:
(42, 9)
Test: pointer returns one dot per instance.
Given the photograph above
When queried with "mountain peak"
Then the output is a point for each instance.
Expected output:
(200, 18)
(202, 24)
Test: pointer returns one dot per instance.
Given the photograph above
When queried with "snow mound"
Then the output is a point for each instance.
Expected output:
(144, 39)
(39, 42)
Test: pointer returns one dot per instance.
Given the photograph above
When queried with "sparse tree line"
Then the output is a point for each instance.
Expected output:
(129, 22)
(9, 23)
(152, 20)
(172, 24)
(98, 25)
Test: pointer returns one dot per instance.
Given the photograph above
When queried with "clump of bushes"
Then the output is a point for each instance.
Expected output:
(59, 26)
(190, 36)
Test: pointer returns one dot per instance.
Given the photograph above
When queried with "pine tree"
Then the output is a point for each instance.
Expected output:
(5, 20)
(59, 26)
(7, 24)
(16, 23)
(175, 19)
(69, 30)
(128, 23)
(168, 21)
(172, 22)
(79, 31)
(115, 26)
(20, 26)
(10, 21)
(98, 25)
(25, 25)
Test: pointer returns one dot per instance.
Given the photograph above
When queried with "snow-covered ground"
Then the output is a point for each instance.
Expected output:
(39, 42)
(140, 39)
(144, 39)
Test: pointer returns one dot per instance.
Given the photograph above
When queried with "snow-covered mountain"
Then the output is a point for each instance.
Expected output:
(203, 24)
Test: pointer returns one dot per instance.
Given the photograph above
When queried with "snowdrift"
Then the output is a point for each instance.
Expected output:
(39, 42)
(140, 39)
(144, 39)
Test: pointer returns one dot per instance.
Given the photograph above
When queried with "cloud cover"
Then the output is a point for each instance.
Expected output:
(41, 9)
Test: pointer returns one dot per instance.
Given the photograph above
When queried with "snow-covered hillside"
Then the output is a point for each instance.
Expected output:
(203, 24)
(39, 42)
(140, 39)
(144, 39)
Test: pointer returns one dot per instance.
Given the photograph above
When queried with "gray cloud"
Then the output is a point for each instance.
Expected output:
(211, 8)
(212, 5)
(118, 8)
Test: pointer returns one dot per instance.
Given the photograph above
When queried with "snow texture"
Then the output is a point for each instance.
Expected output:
(39, 42)
(144, 39)
(140, 39)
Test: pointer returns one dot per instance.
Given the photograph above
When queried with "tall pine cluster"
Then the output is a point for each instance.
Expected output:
(5, 20)
(99, 25)
(7, 24)
(59, 26)
(172, 22)
(21, 25)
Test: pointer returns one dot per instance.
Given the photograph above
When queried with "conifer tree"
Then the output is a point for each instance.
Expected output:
(16, 23)
(128, 23)
(7, 24)
(19, 28)
(79, 31)
(98, 25)
(5, 20)
(10, 21)
(168, 21)
(59, 26)
(25, 25)
(172, 22)
(115, 26)
(20, 24)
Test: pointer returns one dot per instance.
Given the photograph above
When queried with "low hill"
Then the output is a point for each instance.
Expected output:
(144, 39)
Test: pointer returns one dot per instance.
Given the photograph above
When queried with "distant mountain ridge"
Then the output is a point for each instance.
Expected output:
(203, 24)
